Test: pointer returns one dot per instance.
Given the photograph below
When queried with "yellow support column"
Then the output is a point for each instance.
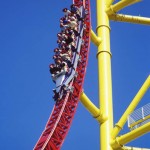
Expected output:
(104, 73)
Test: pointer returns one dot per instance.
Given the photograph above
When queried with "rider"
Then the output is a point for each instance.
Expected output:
(66, 12)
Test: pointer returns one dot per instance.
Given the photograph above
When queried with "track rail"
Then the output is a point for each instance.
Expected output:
(63, 112)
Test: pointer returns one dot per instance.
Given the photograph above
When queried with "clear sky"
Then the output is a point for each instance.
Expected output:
(28, 31)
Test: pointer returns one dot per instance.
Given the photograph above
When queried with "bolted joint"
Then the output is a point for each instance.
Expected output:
(95, 39)
(101, 118)
(110, 11)
(115, 144)
(103, 51)
(103, 25)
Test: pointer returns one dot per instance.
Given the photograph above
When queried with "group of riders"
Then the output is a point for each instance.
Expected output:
(66, 42)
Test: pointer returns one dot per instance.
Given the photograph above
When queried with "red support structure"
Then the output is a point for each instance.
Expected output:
(63, 112)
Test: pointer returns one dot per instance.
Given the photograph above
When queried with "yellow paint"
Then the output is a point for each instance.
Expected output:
(89, 105)
(96, 40)
(104, 73)
(130, 19)
(128, 137)
(131, 107)
(120, 5)
(108, 133)
(96, 113)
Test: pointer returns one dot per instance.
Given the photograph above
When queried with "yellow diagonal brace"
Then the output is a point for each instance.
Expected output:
(131, 107)
(120, 5)
(130, 19)
(96, 113)
(128, 137)
(95, 39)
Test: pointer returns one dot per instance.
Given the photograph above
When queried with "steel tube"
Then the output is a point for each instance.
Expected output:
(120, 5)
(130, 19)
(95, 39)
(128, 137)
(131, 107)
(104, 74)
(96, 113)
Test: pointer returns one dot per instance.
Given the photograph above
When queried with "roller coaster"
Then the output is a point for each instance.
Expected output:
(68, 86)
(69, 77)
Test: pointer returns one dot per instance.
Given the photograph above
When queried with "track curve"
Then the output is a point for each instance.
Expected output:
(63, 112)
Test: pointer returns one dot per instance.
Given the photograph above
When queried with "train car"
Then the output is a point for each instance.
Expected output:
(63, 78)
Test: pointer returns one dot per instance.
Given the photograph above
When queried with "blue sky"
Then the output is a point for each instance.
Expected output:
(27, 38)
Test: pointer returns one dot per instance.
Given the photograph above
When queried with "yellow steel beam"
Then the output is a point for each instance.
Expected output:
(104, 73)
(120, 5)
(95, 39)
(96, 113)
(130, 19)
(131, 107)
(128, 137)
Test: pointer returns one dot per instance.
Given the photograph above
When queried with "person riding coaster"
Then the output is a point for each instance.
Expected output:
(58, 79)
(66, 12)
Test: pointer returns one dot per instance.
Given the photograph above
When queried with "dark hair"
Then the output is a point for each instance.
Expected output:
(56, 49)
(72, 5)
(58, 41)
(65, 9)
(51, 65)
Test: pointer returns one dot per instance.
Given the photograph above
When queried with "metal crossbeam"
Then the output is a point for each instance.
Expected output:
(130, 19)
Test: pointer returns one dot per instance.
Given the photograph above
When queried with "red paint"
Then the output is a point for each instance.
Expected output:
(63, 112)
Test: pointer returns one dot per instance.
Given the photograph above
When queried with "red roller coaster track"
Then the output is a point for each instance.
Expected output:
(63, 112)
